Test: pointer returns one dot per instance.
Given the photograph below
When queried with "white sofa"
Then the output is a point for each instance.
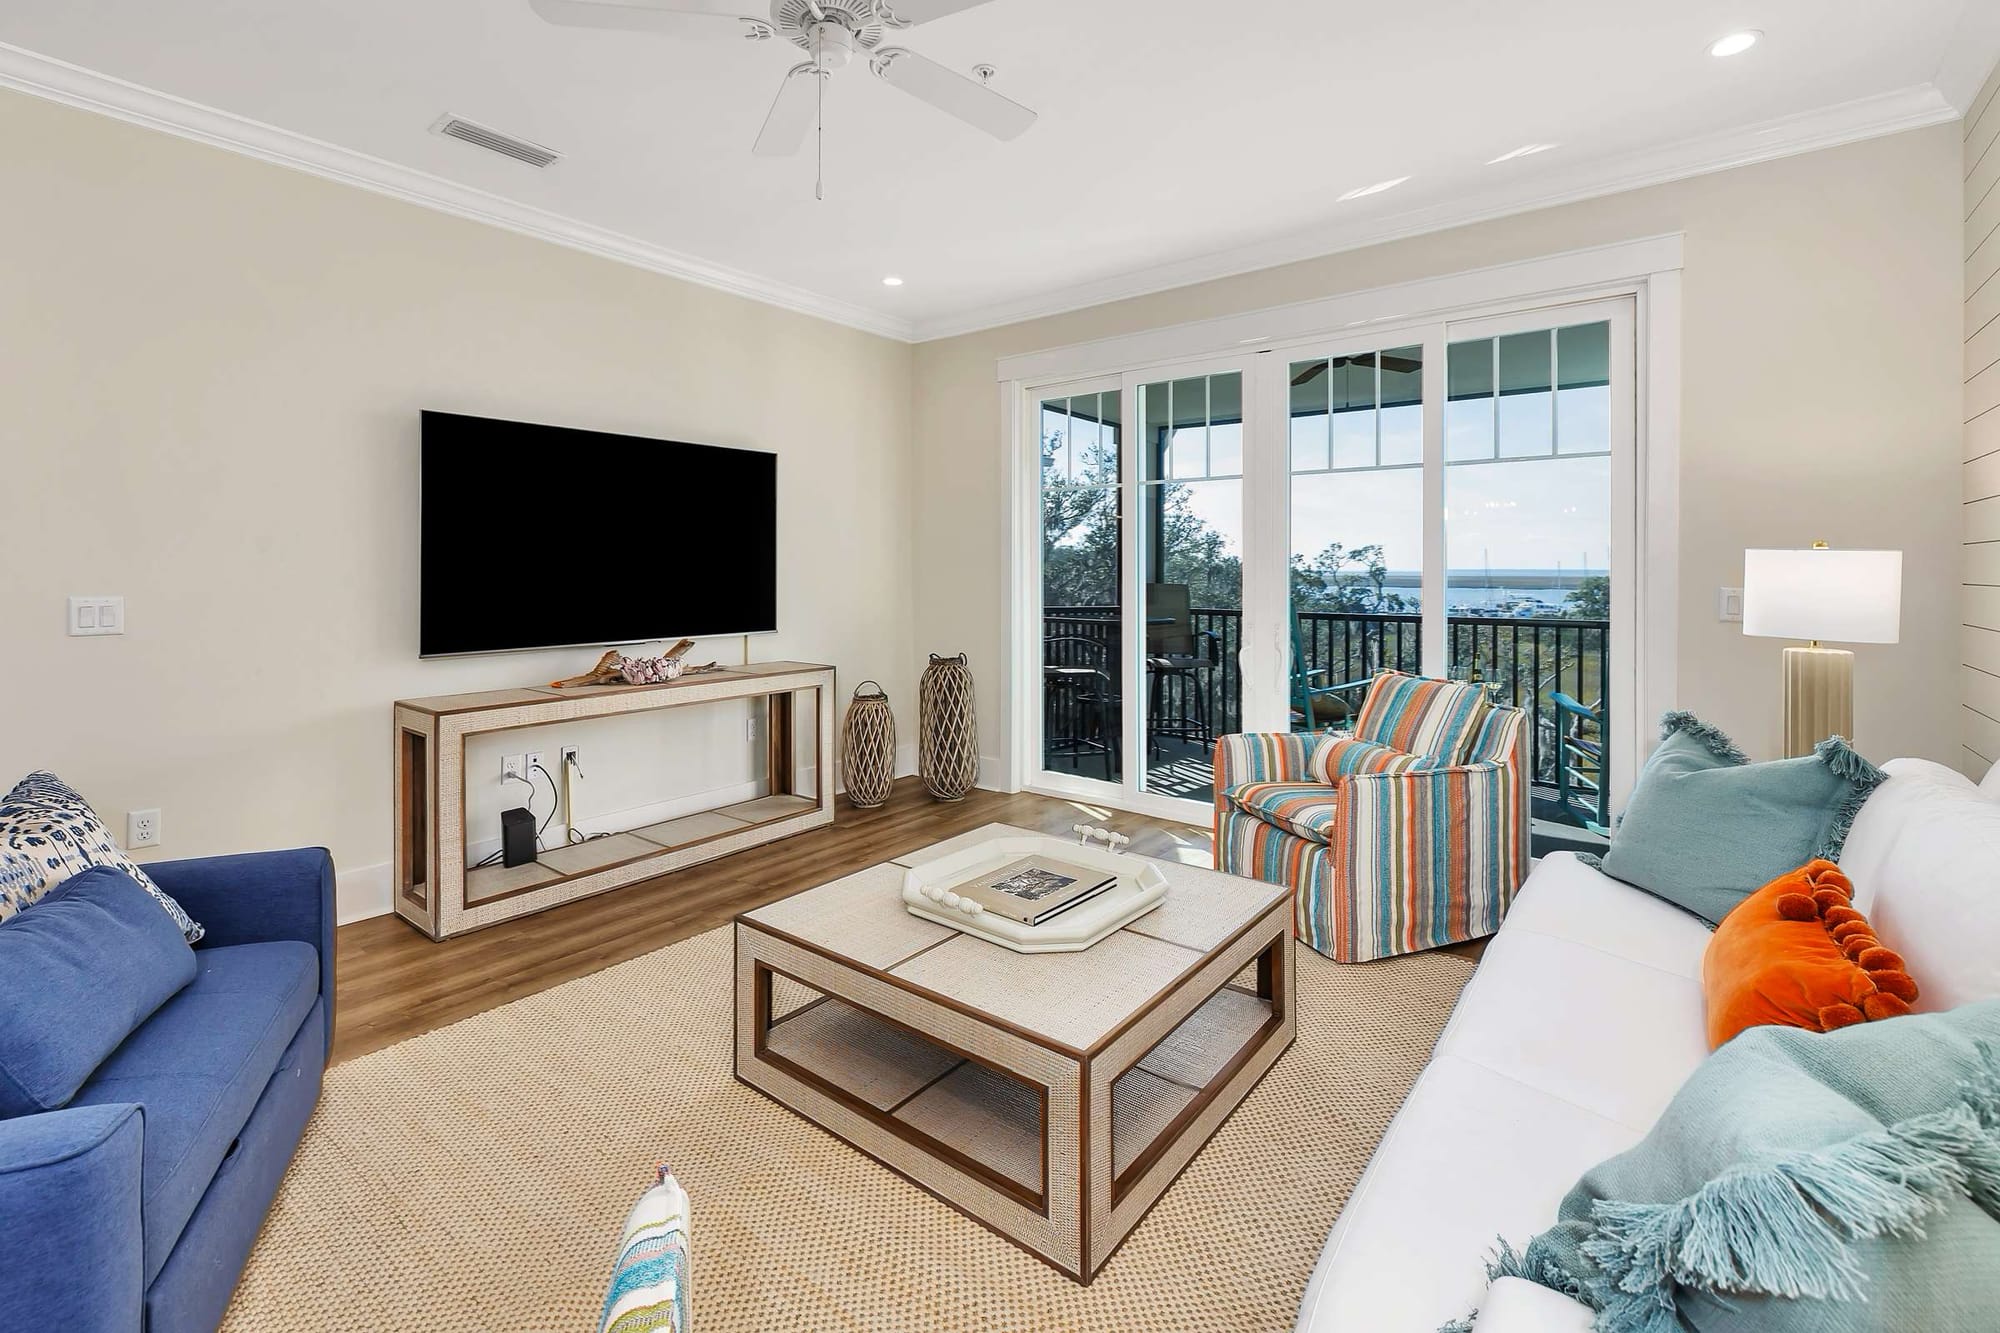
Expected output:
(1584, 1018)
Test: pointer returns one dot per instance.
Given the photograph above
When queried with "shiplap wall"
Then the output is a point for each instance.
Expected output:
(1982, 430)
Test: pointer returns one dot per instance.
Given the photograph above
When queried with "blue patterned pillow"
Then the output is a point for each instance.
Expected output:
(47, 834)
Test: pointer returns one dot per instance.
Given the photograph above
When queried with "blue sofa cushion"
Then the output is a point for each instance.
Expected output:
(78, 972)
(197, 1068)
(49, 833)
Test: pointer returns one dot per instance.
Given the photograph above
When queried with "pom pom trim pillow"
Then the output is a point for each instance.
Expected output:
(1705, 828)
(49, 834)
(1796, 954)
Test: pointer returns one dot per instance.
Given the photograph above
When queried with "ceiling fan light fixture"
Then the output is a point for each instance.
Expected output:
(1735, 44)
(1377, 188)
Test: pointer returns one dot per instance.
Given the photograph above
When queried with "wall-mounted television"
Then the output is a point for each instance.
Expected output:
(544, 537)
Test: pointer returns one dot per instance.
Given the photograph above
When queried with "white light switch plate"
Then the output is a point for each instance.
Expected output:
(96, 615)
(1729, 605)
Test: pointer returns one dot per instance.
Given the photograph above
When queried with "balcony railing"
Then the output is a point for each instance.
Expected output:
(1526, 662)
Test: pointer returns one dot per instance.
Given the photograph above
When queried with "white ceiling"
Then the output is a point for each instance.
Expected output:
(1178, 139)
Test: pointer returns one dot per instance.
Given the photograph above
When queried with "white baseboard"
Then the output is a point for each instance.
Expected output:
(363, 892)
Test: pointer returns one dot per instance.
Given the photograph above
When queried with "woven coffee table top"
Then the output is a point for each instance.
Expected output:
(1071, 1000)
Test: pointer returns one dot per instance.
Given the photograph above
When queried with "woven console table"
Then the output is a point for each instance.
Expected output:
(1052, 1098)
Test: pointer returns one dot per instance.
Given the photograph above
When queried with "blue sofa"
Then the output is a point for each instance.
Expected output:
(135, 1206)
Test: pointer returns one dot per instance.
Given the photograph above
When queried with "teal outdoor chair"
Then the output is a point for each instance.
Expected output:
(1580, 762)
(1316, 703)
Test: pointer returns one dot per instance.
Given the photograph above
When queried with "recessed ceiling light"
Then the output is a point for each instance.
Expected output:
(1525, 150)
(1376, 188)
(1735, 44)
(892, 281)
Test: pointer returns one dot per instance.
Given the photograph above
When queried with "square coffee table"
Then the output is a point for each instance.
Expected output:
(1051, 1097)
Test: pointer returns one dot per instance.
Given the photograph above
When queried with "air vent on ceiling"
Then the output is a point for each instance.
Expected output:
(455, 127)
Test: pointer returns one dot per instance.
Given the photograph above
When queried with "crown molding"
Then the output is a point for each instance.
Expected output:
(1971, 56)
(1848, 122)
(1887, 113)
(72, 85)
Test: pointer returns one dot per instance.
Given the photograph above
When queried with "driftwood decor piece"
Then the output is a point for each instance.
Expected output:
(608, 671)
(868, 747)
(614, 668)
(948, 733)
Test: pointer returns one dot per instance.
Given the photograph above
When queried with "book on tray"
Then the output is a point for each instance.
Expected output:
(1034, 889)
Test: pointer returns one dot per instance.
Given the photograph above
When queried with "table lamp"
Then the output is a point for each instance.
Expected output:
(1845, 596)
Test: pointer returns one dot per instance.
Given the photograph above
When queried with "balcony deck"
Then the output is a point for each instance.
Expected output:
(1526, 662)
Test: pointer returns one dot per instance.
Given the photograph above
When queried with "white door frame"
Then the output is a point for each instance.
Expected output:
(1647, 271)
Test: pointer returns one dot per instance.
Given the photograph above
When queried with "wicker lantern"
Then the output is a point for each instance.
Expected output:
(948, 735)
(868, 746)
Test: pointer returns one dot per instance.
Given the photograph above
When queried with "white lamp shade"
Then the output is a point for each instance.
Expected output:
(1838, 596)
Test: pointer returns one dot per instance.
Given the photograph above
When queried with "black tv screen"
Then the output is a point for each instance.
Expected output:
(543, 537)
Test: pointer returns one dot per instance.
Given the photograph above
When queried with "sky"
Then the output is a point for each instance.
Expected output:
(1542, 512)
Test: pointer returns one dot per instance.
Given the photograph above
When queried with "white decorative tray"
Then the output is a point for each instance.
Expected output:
(1140, 888)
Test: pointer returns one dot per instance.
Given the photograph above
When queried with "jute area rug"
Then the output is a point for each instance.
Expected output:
(477, 1177)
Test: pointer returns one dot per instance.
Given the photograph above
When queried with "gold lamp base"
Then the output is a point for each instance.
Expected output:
(1819, 697)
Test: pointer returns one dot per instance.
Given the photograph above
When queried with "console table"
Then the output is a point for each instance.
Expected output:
(436, 892)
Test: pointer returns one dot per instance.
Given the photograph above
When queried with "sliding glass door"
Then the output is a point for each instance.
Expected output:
(1538, 435)
(1139, 577)
(1355, 574)
(1242, 544)
(1082, 584)
(1190, 517)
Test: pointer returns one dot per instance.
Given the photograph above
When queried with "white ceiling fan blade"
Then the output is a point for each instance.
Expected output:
(949, 91)
(687, 18)
(791, 115)
(909, 13)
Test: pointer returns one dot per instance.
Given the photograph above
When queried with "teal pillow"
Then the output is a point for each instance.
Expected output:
(1705, 828)
(1800, 1182)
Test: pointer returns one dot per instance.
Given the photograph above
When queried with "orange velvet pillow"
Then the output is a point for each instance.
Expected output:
(1797, 954)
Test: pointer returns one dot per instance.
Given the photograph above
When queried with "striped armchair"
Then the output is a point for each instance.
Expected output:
(1409, 834)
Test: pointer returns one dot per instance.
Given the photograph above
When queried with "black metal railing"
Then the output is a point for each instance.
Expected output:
(1525, 661)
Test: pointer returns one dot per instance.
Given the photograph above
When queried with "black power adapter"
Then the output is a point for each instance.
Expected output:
(517, 836)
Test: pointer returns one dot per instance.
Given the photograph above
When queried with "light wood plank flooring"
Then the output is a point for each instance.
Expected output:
(394, 983)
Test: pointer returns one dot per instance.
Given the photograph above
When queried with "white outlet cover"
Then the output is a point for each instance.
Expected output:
(142, 828)
(1729, 605)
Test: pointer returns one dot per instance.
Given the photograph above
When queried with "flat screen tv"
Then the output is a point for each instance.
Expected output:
(545, 537)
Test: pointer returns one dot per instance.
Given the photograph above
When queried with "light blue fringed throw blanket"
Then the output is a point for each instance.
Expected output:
(1800, 1182)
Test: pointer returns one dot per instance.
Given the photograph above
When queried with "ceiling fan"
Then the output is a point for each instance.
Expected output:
(832, 32)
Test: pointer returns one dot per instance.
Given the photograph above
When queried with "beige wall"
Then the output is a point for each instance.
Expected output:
(212, 370)
(1821, 400)
(1980, 669)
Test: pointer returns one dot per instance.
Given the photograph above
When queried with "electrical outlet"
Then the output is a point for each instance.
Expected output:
(536, 759)
(514, 766)
(750, 730)
(142, 828)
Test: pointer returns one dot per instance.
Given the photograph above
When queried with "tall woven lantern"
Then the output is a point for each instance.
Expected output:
(868, 744)
(948, 735)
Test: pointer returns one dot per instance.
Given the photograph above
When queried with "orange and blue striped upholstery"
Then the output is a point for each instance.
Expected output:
(1437, 719)
(1393, 860)
(1336, 757)
(1246, 845)
(1263, 756)
(1302, 808)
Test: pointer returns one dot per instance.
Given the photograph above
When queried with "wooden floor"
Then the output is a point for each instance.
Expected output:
(394, 983)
